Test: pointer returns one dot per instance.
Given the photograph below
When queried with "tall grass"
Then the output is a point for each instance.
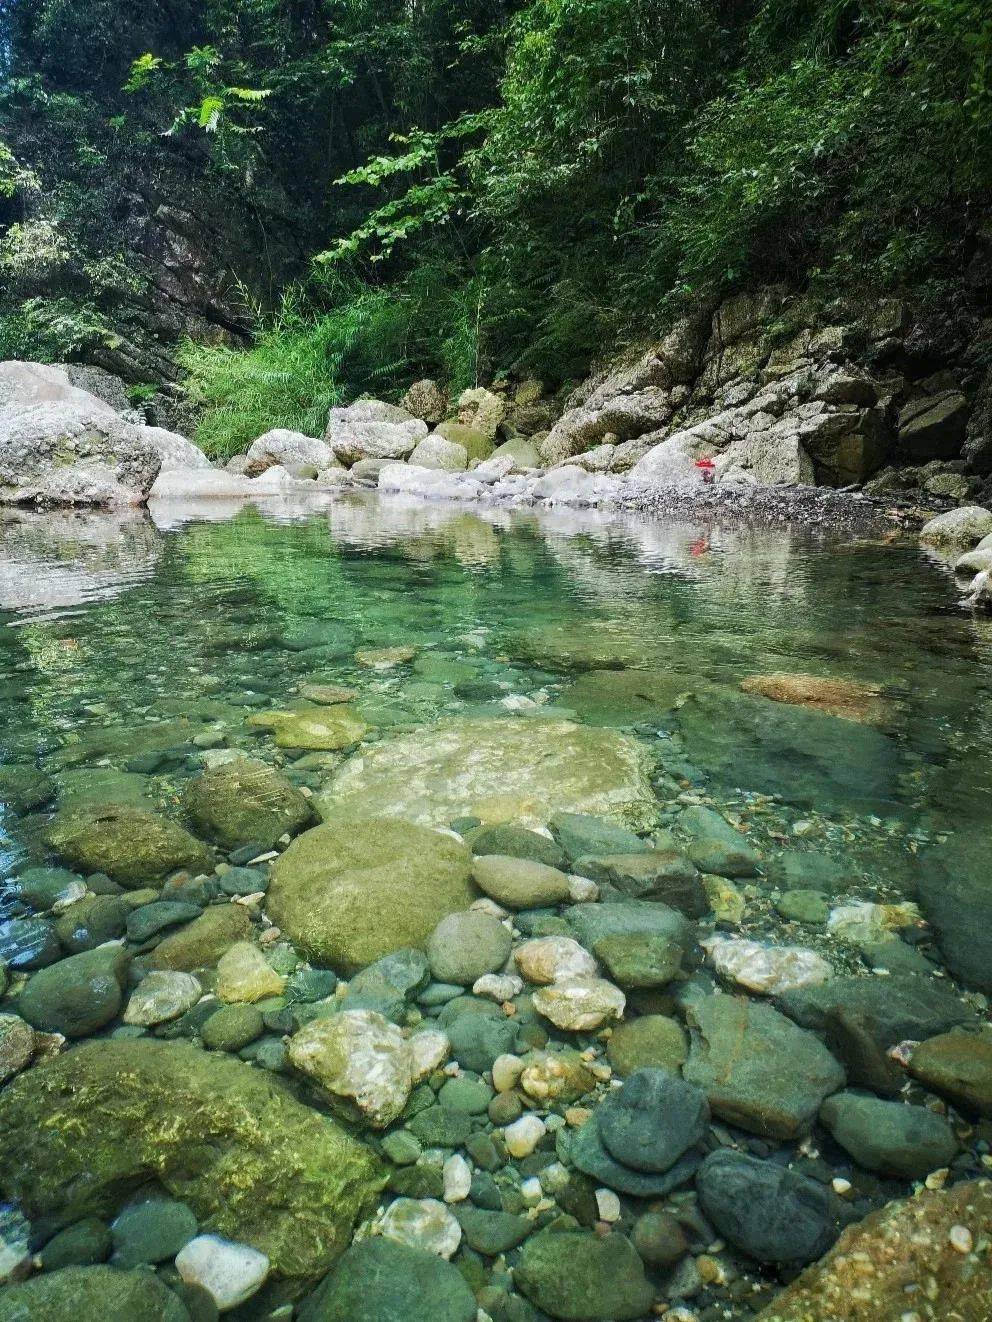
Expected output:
(324, 346)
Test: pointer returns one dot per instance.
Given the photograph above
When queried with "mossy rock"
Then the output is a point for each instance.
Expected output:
(23, 787)
(477, 444)
(91, 1294)
(246, 800)
(254, 1164)
(131, 845)
(201, 943)
(78, 995)
(349, 892)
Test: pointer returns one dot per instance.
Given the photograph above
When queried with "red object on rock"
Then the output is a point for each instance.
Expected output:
(707, 468)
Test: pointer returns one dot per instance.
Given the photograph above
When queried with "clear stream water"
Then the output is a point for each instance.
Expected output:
(128, 652)
(109, 626)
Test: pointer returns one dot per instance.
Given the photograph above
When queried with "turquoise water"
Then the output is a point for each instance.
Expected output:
(114, 635)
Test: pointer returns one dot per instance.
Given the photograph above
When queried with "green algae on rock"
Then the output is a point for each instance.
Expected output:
(246, 800)
(131, 845)
(499, 770)
(349, 892)
(201, 943)
(315, 728)
(579, 1277)
(91, 1294)
(379, 1280)
(253, 1163)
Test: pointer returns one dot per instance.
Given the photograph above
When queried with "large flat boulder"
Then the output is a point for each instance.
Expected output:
(255, 1165)
(349, 892)
(523, 771)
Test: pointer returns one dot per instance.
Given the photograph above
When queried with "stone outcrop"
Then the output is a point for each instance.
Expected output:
(62, 445)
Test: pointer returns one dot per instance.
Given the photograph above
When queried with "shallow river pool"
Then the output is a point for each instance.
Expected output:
(650, 852)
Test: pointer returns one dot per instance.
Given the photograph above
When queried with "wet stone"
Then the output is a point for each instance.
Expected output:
(378, 1280)
(889, 1137)
(29, 943)
(151, 1230)
(42, 888)
(465, 946)
(652, 1041)
(150, 919)
(652, 1120)
(232, 1027)
(582, 836)
(516, 842)
(79, 1245)
(768, 1212)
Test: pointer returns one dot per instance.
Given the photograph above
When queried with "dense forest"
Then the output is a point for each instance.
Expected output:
(290, 200)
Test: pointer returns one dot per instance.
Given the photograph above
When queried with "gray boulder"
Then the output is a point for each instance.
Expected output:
(288, 448)
(370, 429)
(60, 445)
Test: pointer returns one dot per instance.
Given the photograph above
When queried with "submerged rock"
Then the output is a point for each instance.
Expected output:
(77, 995)
(244, 974)
(321, 729)
(651, 1042)
(578, 1005)
(579, 1277)
(87, 1294)
(889, 1137)
(133, 846)
(520, 883)
(361, 1060)
(246, 800)
(466, 946)
(804, 755)
(497, 770)
(766, 969)
(161, 996)
(847, 698)
(624, 697)
(653, 1120)
(252, 1163)
(757, 1068)
(230, 1273)
(381, 1280)
(958, 1066)
(349, 892)
(201, 943)
(901, 1258)
(769, 1212)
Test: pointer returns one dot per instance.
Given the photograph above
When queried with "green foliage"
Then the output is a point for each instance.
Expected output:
(51, 330)
(336, 338)
(503, 183)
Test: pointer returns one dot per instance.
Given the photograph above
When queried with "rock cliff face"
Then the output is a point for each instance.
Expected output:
(852, 402)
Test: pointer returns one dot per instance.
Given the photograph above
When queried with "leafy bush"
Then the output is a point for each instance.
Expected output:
(331, 341)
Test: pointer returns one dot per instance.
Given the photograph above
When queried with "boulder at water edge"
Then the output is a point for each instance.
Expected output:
(349, 892)
(253, 1163)
(132, 845)
(498, 770)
